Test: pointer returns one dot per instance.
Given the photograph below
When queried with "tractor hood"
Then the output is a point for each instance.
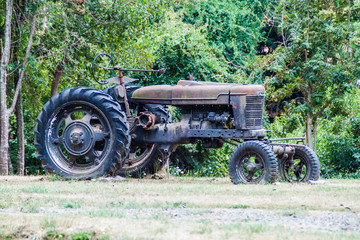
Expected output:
(187, 92)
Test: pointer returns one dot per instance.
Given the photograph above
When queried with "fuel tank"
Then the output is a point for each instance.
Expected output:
(187, 92)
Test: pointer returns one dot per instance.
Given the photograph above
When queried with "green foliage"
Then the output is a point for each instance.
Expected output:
(311, 71)
(32, 164)
(341, 157)
(286, 126)
(82, 30)
(69, 34)
(184, 50)
(234, 27)
(194, 160)
(355, 127)
(210, 40)
(315, 64)
(339, 144)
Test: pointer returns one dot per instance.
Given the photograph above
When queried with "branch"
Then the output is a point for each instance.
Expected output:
(14, 70)
(29, 45)
(322, 109)
(328, 102)
(282, 24)
(348, 31)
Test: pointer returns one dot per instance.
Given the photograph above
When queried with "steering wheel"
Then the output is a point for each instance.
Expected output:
(102, 62)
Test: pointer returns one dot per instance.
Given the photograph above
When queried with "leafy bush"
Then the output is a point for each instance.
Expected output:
(194, 160)
(340, 152)
(183, 50)
(341, 157)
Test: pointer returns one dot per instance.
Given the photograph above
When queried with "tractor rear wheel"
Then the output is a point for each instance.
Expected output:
(146, 159)
(141, 161)
(81, 133)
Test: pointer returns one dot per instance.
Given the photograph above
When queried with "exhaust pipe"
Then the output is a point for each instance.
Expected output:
(146, 120)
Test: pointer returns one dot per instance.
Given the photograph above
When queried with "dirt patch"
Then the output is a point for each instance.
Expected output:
(22, 178)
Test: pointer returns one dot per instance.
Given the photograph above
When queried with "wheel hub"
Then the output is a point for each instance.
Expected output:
(78, 138)
(251, 167)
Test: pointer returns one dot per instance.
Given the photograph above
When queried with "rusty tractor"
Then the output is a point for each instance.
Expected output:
(126, 129)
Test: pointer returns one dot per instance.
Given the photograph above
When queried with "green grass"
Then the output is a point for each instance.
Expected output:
(173, 208)
(74, 204)
(239, 206)
(105, 213)
(54, 235)
(4, 190)
(34, 189)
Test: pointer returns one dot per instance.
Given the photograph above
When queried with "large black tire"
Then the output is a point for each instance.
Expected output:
(81, 133)
(253, 162)
(144, 160)
(305, 166)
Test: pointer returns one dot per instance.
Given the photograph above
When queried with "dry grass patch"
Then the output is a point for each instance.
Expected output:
(178, 208)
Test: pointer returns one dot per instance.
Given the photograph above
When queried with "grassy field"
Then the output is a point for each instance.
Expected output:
(177, 208)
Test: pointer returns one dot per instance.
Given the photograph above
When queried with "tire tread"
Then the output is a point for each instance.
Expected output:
(118, 118)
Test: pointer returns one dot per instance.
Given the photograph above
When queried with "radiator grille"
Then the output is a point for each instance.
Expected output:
(254, 111)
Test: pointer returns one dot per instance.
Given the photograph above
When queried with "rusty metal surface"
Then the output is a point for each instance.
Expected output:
(180, 133)
(200, 94)
(146, 120)
(119, 68)
(158, 92)
(195, 93)
(200, 83)
(254, 111)
(280, 150)
(256, 90)
(126, 102)
(238, 104)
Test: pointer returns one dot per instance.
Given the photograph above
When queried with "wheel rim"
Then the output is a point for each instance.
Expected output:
(137, 156)
(296, 170)
(78, 138)
(251, 167)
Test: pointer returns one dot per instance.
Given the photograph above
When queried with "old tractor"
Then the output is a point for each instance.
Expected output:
(126, 129)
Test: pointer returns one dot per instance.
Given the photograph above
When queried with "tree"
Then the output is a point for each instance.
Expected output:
(69, 34)
(316, 61)
(74, 32)
(234, 27)
(211, 40)
(4, 74)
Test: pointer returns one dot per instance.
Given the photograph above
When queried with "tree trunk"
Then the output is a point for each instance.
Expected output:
(22, 72)
(309, 131)
(11, 168)
(308, 89)
(315, 134)
(4, 120)
(5, 112)
(57, 76)
(20, 137)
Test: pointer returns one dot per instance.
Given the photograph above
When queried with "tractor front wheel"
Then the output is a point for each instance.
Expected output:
(302, 167)
(253, 162)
